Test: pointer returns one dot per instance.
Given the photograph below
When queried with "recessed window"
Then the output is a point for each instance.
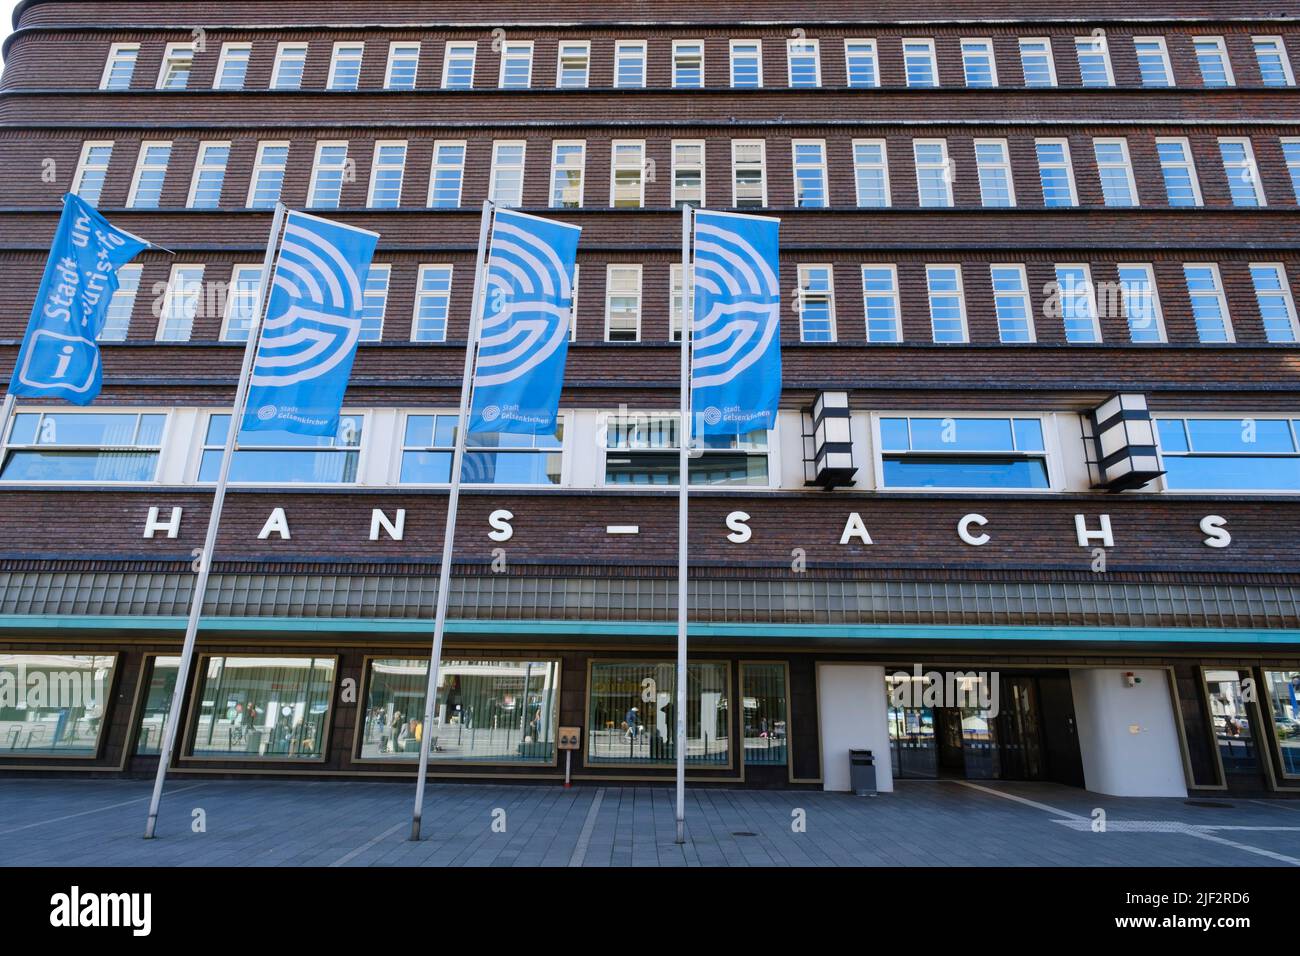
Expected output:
(627, 174)
(1291, 153)
(1141, 302)
(403, 66)
(374, 301)
(345, 66)
(268, 175)
(573, 302)
(688, 64)
(92, 170)
(274, 457)
(290, 63)
(232, 68)
(568, 165)
(624, 727)
(688, 173)
(507, 179)
(263, 708)
(59, 704)
(764, 722)
(963, 453)
(1094, 61)
(623, 303)
(1179, 172)
(1284, 710)
(1212, 59)
(978, 63)
(861, 64)
(1229, 454)
(810, 174)
(919, 63)
(573, 65)
(880, 303)
(178, 63)
(993, 162)
(871, 173)
(1242, 173)
(1076, 303)
(117, 321)
(1115, 172)
(83, 446)
(120, 66)
(675, 303)
(816, 303)
(209, 175)
(1276, 306)
(157, 703)
(803, 57)
(1011, 303)
(1274, 64)
(749, 173)
(1153, 61)
(1209, 305)
(429, 443)
(947, 303)
(181, 303)
(447, 175)
(150, 176)
(432, 304)
(328, 174)
(386, 175)
(241, 303)
(1055, 172)
(458, 66)
(629, 64)
(516, 65)
(746, 64)
(1036, 62)
(933, 172)
(643, 450)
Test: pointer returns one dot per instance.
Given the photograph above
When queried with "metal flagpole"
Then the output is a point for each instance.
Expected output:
(683, 497)
(449, 535)
(214, 521)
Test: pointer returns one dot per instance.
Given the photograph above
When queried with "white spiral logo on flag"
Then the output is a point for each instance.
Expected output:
(738, 307)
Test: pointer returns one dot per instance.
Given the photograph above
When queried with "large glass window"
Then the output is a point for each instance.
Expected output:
(276, 457)
(1077, 304)
(627, 174)
(1241, 172)
(688, 173)
(120, 66)
(816, 303)
(268, 175)
(516, 65)
(458, 66)
(251, 707)
(748, 173)
(1115, 172)
(1209, 304)
(1212, 58)
(157, 705)
(491, 458)
(1276, 306)
(871, 172)
(978, 63)
(92, 171)
(1137, 284)
(177, 64)
(764, 721)
(507, 179)
(150, 175)
(1232, 720)
(386, 175)
(629, 64)
(642, 450)
(803, 58)
(574, 62)
(1094, 61)
(1011, 302)
(83, 446)
(622, 303)
(1229, 454)
(1283, 689)
(290, 63)
(1036, 61)
(963, 453)
(746, 64)
(810, 173)
(403, 65)
(1179, 172)
(933, 172)
(1055, 172)
(947, 303)
(432, 304)
(1274, 64)
(688, 63)
(880, 303)
(492, 711)
(209, 175)
(993, 163)
(632, 717)
(328, 175)
(232, 69)
(447, 175)
(919, 63)
(53, 704)
(568, 163)
(1153, 61)
(118, 320)
(345, 66)
(860, 63)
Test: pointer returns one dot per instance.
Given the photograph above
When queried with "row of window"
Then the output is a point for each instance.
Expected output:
(1073, 299)
(968, 452)
(803, 63)
(631, 170)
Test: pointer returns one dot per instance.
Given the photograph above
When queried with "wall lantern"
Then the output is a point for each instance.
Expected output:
(828, 442)
(1123, 443)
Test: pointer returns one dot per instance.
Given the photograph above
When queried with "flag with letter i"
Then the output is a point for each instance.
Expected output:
(59, 357)
(736, 333)
(313, 324)
(524, 338)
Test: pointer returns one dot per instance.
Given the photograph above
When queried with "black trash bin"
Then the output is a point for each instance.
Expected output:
(862, 773)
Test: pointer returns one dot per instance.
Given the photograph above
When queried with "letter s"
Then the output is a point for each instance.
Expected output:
(740, 532)
(500, 520)
(1217, 536)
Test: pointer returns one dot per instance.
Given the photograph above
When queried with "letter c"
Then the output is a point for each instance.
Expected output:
(963, 530)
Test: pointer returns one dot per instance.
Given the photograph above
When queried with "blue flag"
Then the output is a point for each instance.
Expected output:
(736, 336)
(524, 338)
(313, 323)
(59, 357)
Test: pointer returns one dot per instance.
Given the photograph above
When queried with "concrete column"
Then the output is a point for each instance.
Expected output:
(1128, 736)
(854, 714)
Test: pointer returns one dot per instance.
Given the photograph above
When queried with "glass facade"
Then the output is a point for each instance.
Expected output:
(263, 707)
(765, 727)
(157, 704)
(963, 453)
(630, 713)
(1282, 689)
(279, 457)
(53, 705)
(1232, 722)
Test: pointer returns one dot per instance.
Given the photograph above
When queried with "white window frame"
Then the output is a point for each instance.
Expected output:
(128, 277)
(226, 50)
(821, 167)
(559, 64)
(393, 49)
(883, 166)
(1047, 52)
(380, 144)
(200, 166)
(731, 64)
(1292, 165)
(1097, 41)
(675, 273)
(893, 294)
(1122, 142)
(336, 55)
(866, 42)
(1185, 416)
(1229, 79)
(1279, 44)
(114, 53)
(497, 167)
(1090, 289)
(173, 53)
(140, 167)
(1189, 164)
(1162, 47)
(1285, 292)
(83, 166)
(1030, 326)
(169, 298)
(609, 295)
(603, 424)
(515, 47)
(573, 303)
(762, 167)
(928, 43)
(619, 47)
(961, 301)
(420, 294)
(434, 166)
(814, 46)
(703, 148)
(321, 146)
(1156, 309)
(564, 419)
(945, 166)
(678, 44)
(615, 167)
(362, 450)
(1219, 292)
(1004, 165)
(165, 441)
(987, 43)
(1251, 166)
(460, 46)
(281, 56)
(582, 170)
(231, 298)
(259, 165)
(801, 272)
(386, 269)
(1067, 160)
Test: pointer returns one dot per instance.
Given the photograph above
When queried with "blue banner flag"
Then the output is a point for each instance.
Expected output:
(736, 335)
(313, 323)
(524, 339)
(59, 357)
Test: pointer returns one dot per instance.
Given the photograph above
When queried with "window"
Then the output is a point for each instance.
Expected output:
(432, 304)
(345, 66)
(871, 172)
(618, 701)
(1055, 172)
(1011, 303)
(1291, 152)
(58, 703)
(764, 721)
(1141, 303)
(177, 64)
(117, 321)
(447, 175)
(507, 179)
(568, 164)
(947, 303)
(803, 57)
(1242, 173)
(157, 704)
(627, 174)
(120, 66)
(209, 175)
(675, 302)
(290, 62)
(1094, 61)
(1115, 172)
(623, 303)
(328, 174)
(688, 173)
(403, 66)
(749, 173)
(268, 175)
(933, 172)
(919, 63)
(1209, 305)
(860, 64)
(181, 303)
(1284, 711)
(978, 63)
(150, 176)
(241, 303)
(810, 173)
(252, 708)
(746, 64)
(1212, 58)
(386, 175)
(232, 68)
(1077, 304)
(1036, 61)
(1179, 172)
(491, 458)
(516, 65)
(641, 449)
(816, 303)
(92, 170)
(1276, 306)
(1274, 64)
(374, 299)
(82, 446)
(688, 64)
(1153, 61)
(274, 457)
(993, 162)
(458, 66)
(486, 711)
(880, 303)
(573, 303)
(573, 63)
(952, 452)
(629, 64)
(1229, 454)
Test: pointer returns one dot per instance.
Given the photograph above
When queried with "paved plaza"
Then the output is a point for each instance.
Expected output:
(932, 823)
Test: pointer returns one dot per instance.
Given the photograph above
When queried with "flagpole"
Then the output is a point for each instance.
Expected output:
(683, 498)
(199, 596)
(449, 533)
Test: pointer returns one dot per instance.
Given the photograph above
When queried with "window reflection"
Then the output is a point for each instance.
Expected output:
(53, 704)
(631, 713)
(252, 707)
